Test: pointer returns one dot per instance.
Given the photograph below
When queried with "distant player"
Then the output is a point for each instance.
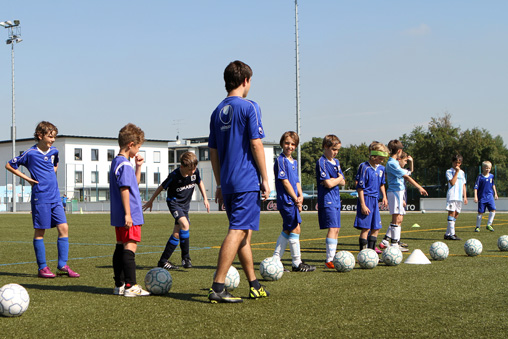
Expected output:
(484, 194)
(126, 210)
(329, 177)
(371, 181)
(180, 186)
(41, 160)
(289, 202)
(455, 196)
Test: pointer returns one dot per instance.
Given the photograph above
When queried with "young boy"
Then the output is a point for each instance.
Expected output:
(329, 177)
(484, 194)
(289, 202)
(371, 180)
(395, 176)
(180, 187)
(455, 195)
(238, 161)
(41, 160)
(126, 211)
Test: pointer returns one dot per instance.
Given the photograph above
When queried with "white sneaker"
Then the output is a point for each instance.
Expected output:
(119, 290)
(135, 291)
(402, 249)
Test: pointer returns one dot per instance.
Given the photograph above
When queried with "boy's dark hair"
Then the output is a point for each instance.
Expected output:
(189, 160)
(43, 128)
(457, 157)
(394, 146)
(403, 155)
(331, 140)
(235, 73)
(289, 134)
(130, 133)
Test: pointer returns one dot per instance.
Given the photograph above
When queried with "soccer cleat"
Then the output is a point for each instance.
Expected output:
(477, 229)
(303, 267)
(222, 297)
(46, 273)
(403, 244)
(186, 263)
(384, 244)
(329, 264)
(119, 290)
(286, 270)
(135, 291)
(378, 251)
(66, 270)
(168, 266)
(490, 228)
(261, 292)
(451, 237)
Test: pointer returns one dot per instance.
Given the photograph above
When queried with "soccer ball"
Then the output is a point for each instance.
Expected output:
(439, 250)
(368, 258)
(14, 300)
(158, 281)
(473, 247)
(502, 243)
(232, 279)
(344, 261)
(271, 268)
(392, 256)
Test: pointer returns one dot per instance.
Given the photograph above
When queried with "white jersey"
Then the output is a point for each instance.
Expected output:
(455, 192)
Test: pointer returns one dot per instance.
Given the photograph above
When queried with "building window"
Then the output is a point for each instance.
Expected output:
(156, 178)
(171, 156)
(95, 177)
(78, 177)
(111, 154)
(78, 154)
(142, 154)
(204, 154)
(143, 178)
(108, 177)
(171, 168)
(156, 156)
(179, 154)
(95, 154)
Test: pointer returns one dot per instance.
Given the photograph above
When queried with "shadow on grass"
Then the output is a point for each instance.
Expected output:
(191, 296)
(17, 274)
(68, 288)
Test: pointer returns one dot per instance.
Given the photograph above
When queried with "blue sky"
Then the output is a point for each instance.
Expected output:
(369, 70)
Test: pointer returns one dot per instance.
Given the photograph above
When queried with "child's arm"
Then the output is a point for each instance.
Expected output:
(410, 163)
(300, 195)
(365, 209)
(475, 195)
(202, 189)
(258, 152)
(495, 192)
(289, 189)
(214, 159)
(20, 174)
(465, 195)
(384, 202)
(455, 176)
(332, 182)
(139, 161)
(124, 193)
(415, 184)
(148, 204)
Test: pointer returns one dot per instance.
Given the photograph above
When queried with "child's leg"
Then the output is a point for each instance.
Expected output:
(62, 244)
(452, 217)
(294, 246)
(282, 243)
(129, 263)
(331, 243)
(492, 214)
(118, 265)
(184, 226)
(372, 238)
(171, 245)
(39, 248)
(364, 233)
(479, 220)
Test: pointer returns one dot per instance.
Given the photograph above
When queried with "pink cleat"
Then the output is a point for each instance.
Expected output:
(46, 273)
(378, 251)
(66, 270)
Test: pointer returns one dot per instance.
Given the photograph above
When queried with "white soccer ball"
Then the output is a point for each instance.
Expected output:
(502, 243)
(271, 268)
(344, 261)
(14, 300)
(423, 211)
(158, 281)
(439, 251)
(473, 247)
(368, 258)
(232, 278)
(392, 256)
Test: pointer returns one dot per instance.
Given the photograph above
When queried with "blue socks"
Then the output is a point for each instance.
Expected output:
(63, 251)
(40, 253)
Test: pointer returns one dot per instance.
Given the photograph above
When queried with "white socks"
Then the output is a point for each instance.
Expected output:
(331, 248)
(282, 243)
(294, 247)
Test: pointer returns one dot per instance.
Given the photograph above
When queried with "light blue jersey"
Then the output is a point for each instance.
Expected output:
(455, 192)
(395, 175)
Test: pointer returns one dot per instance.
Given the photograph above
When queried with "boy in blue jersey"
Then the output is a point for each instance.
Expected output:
(395, 176)
(238, 160)
(484, 194)
(126, 210)
(456, 194)
(180, 187)
(371, 180)
(41, 160)
(329, 177)
(289, 202)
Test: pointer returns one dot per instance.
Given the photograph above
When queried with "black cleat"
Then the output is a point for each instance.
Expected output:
(403, 244)
(451, 237)
(303, 267)
(186, 263)
(222, 297)
(262, 292)
(168, 266)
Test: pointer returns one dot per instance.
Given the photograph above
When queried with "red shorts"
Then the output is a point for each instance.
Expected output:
(132, 233)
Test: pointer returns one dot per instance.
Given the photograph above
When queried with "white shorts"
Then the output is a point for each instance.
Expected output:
(454, 206)
(396, 202)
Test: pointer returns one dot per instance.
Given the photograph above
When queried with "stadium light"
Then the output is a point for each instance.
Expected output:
(14, 33)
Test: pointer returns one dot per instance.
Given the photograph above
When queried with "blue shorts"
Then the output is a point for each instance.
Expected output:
(45, 216)
(290, 216)
(243, 210)
(178, 211)
(371, 221)
(329, 217)
(490, 204)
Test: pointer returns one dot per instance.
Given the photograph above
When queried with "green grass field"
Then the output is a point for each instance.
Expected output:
(461, 296)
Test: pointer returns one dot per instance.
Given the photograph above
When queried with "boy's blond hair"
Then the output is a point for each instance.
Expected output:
(486, 163)
(289, 134)
(379, 147)
(43, 128)
(188, 160)
(130, 133)
(331, 140)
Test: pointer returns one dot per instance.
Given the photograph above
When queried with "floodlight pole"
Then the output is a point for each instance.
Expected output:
(298, 131)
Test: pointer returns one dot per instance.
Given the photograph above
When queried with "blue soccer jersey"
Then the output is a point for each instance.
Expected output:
(370, 179)
(233, 124)
(484, 186)
(41, 166)
(180, 188)
(325, 169)
(284, 169)
(122, 174)
(395, 175)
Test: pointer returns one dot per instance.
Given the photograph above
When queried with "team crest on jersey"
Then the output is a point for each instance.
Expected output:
(281, 173)
(260, 130)
(175, 214)
(323, 174)
(193, 177)
(380, 174)
(45, 158)
(225, 114)
(52, 159)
